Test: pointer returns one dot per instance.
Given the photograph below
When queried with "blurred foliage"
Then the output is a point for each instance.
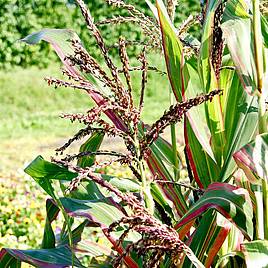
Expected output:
(22, 213)
(19, 18)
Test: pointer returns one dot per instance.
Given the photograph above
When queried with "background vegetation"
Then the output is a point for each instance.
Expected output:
(19, 18)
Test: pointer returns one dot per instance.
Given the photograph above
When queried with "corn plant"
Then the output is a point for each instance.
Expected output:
(215, 217)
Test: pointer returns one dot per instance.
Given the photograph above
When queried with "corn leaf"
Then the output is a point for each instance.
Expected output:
(59, 257)
(252, 158)
(208, 237)
(43, 171)
(238, 35)
(91, 145)
(241, 117)
(256, 253)
(60, 39)
(232, 202)
(183, 76)
(49, 240)
(93, 249)
(156, 164)
(102, 212)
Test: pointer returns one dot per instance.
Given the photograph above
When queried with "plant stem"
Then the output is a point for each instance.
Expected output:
(66, 218)
(174, 143)
(146, 189)
(258, 43)
(259, 213)
(145, 185)
(265, 207)
(262, 203)
(262, 115)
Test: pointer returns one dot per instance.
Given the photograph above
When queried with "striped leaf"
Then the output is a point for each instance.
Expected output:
(92, 144)
(59, 257)
(208, 238)
(102, 212)
(183, 76)
(232, 202)
(237, 33)
(252, 158)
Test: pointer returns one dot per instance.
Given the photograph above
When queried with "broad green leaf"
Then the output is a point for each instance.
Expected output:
(253, 157)
(124, 185)
(91, 145)
(44, 258)
(232, 202)
(40, 169)
(205, 170)
(103, 211)
(43, 171)
(256, 253)
(241, 119)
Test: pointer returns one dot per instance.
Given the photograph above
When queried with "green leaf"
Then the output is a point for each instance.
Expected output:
(92, 249)
(256, 253)
(102, 211)
(252, 158)
(91, 145)
(208, 238)
(60, 39)
(49, 236)
(183, 76)
(232, 202)
(122, 184)
(159, 168)
(44, 258)
(43, 171)
(241, 119)
(177, 72)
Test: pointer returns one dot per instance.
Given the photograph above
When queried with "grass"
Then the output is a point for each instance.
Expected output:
(30, 109)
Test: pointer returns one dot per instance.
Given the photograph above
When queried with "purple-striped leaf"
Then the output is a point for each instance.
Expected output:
(183, 77)
(232, 202)
(253, 157)
(44, 258)
(208, 238)
(237, 33)
(102, 212)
